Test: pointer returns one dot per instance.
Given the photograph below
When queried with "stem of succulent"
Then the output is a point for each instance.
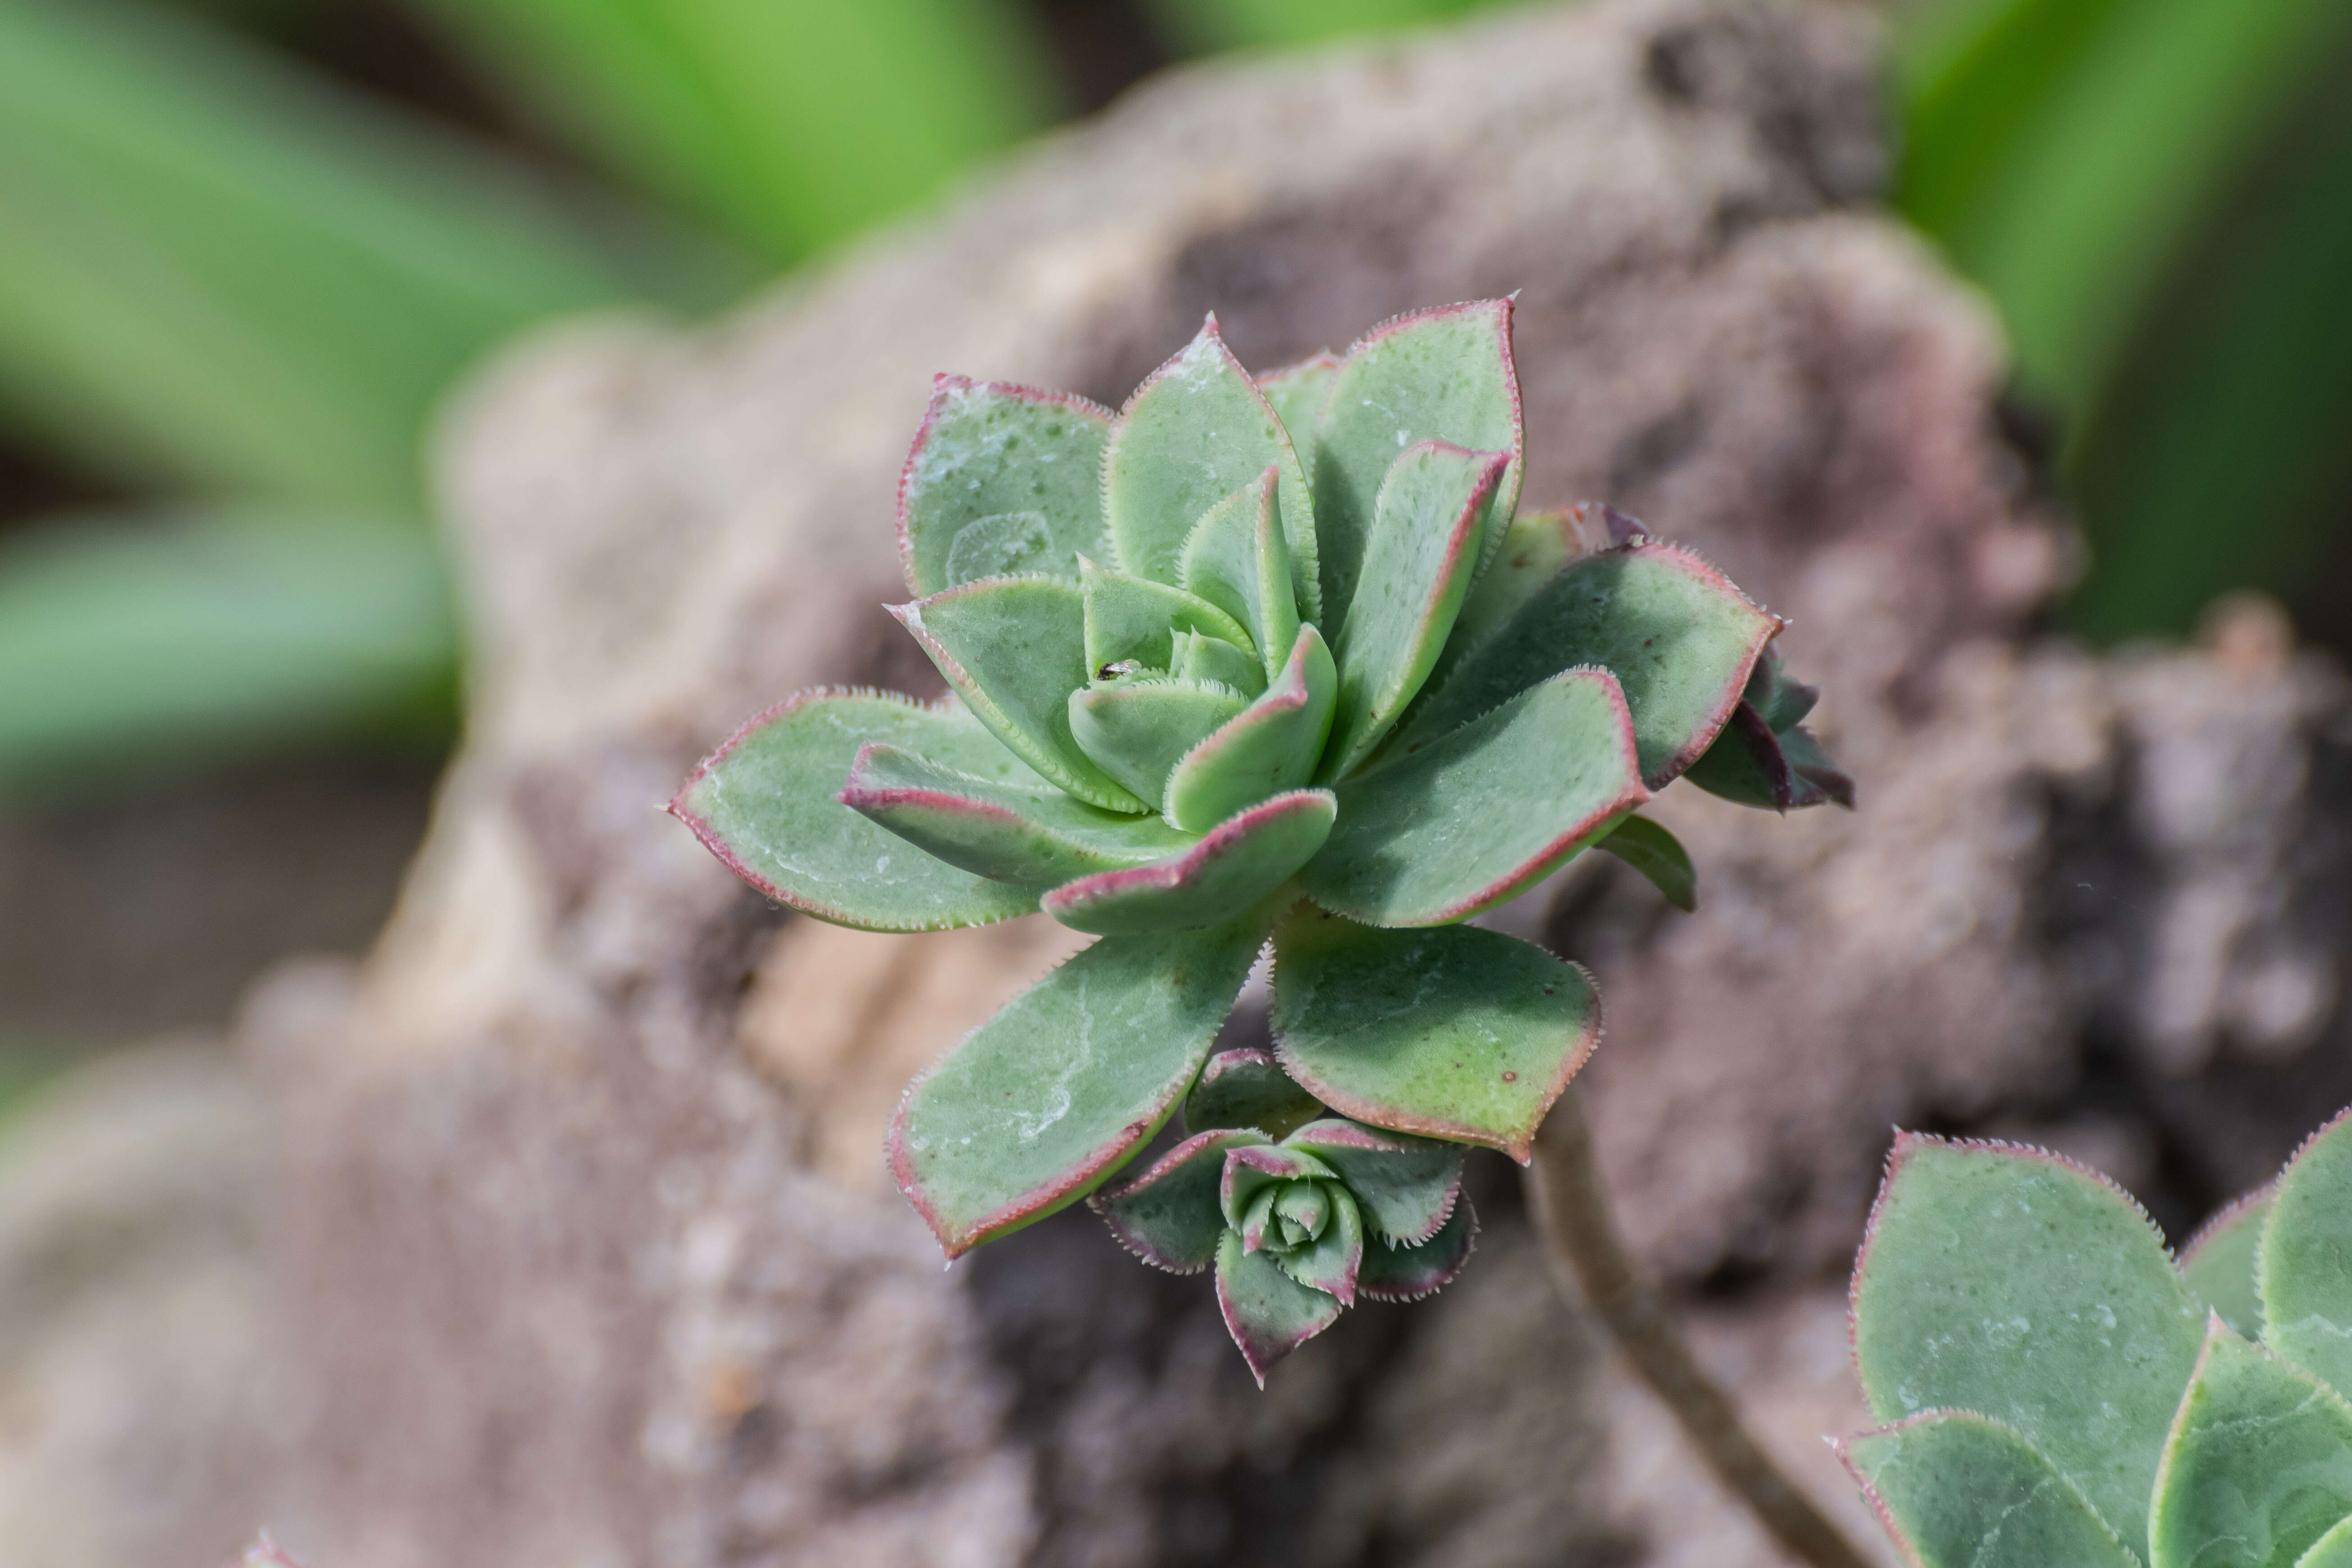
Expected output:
(1571, 1214)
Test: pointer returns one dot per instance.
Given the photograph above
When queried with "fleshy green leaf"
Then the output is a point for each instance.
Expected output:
(1329, 1262)
(1037, 1106)
(2333, 1550)
(766, 804)
(2257, 1467)
(1443, 373)
(1297, 391)
(1198, 657)
(1251, 1172)
(2306, 1257)
(1169, 1216)
(1679, 637)
(1268, 1313)
(1015, 649)
(1765, 757)
(1417, 564)
(1237, 559)
(1268, 747)
(1391, 1273)
(1197, 430)
(1245, 1087)
(1002, 481)
(1137, 730)
(1031, 835)
(1406, 1186)
(1536, 548)
(1457, 1033)
(1658, 855)
(2007, 1281)
(2219, 1262)
(1132, 618)
(1441, 829)
(1225, 871)
(1957, 1490)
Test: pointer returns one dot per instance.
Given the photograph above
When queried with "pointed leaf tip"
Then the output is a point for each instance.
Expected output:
(1268, 1313)
(1220, 875)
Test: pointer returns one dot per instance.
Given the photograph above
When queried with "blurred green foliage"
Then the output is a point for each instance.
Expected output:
(237, 285)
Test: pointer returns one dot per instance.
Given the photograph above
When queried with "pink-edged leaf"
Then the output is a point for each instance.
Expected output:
(1441, 830)
(1258, 1218)
(1197, 430)
(1015, 649)
(1427, 525)
(1251, 1170)
(1225, 871)
(1677, 635)
(1456, 1033)
(1394, 1273)
(1444, 373)
(1405, 1185)
(1298, 392)
(1956, 1489)
(1268, 1313)
(1536, 548)
(1030, 834)
(1765, 757)
(1237, 558)
(1331, 1261)
(1270, 746)
(1245, 1087)
(766, 803)
(2218, 1264)
(1037, 1107)
(1002, 481)
(1136, 729)
(1169, 1216)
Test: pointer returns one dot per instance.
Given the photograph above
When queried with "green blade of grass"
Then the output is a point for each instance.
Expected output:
(1204, 25)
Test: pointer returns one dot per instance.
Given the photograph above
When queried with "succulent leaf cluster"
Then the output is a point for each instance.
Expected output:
(2060, 1392)
(1256, 661)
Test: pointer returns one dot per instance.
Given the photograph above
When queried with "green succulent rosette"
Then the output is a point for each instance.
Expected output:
(1272, 661)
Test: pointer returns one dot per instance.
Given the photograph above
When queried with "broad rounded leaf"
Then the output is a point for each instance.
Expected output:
(1457, 1033)
(1032, 1109)
(1297, 393)
(1270, 746)
(1033, 836)
(1002, 480)
(1393, 1273)
(1226, 870)
(2008, 1281)
(1169, 1216)
(1658, 855)
(1268, 1313)
(1132, 618)
(1138, 730)
(1237, 559)
(1439, 830)
(1957, 1490)
(2258, 1466)
(766, 804)
(1013, 648)
(1247, 1089)
(2219, 1262)
(1197, 430)
(1418, 562)
(1407, 1187)
(2333, 1550)
(1329, 1262)
(1679, 637)
(2306, 1257)
(1443, 373)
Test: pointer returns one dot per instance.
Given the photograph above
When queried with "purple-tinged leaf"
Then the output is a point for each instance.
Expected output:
(1393, 1273)
(1405, 1185)
(1418, 560)
(1197, 430)
(1131, 618)
(1169, 1216)
(1258, 1220)
(1138, 728)
(1456, 1033)
(1268, 747)
(1002, 481)
(1297, 393)
(1444, 373)
(1765, 757)
(1955, 1490)
(1441, 829)
(1246, 1089)
(1330, 1262)
(1268, 1313)
(1234, 866)
(1033, 836)
(1237, 559)
(1658, 855)
(2218, 1264)
(1033, 1110)
(1259, 1169)
(1678, 637)
(766, 804)
(1013, 648)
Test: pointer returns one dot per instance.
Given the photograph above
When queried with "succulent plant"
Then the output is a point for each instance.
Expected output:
(1250, 661)
(2060, 1392)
